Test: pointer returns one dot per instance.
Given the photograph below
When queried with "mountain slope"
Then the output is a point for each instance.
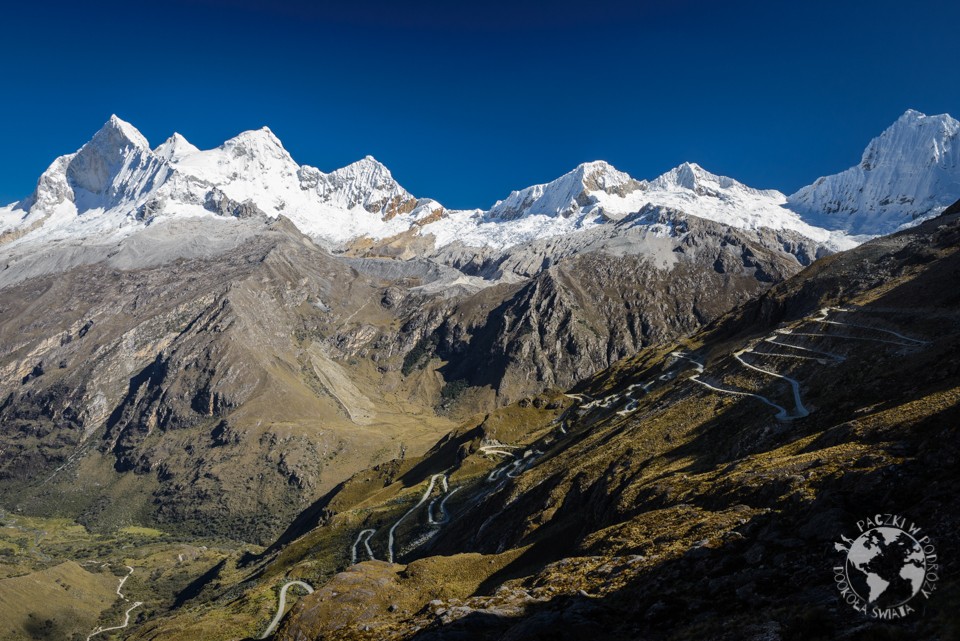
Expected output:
(600, 295)
(218, 393)
(696, 513)
(654, 505)
(174, 400)
(261, 370)
(176, 352)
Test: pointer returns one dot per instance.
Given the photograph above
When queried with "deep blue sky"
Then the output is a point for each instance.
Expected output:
(465, 101)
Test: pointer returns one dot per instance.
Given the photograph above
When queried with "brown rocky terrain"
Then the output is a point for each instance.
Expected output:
(696, 490)
(224, 387)
(588, 301)
(242, 397)
(219, 394)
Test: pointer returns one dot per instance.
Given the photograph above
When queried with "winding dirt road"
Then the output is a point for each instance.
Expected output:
(283, 604)
(362, 537)
(126, 615)
(799, 410)
(423, 499)
(823, 357)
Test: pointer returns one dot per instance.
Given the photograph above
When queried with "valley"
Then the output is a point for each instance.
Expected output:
(59, 581)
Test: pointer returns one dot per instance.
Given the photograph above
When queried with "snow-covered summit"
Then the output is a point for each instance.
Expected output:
(115, 166)
(694, 190)
(116, 132)
(366, 183)
(591, 188)
(692, 177)
(115, 184)
(909, 172)
(597, 193)
(257, 143)
(174, 148)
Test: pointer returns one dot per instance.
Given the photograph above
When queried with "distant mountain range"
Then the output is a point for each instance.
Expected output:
(116, 185)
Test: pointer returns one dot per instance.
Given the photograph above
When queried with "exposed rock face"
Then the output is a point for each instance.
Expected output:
(654, 277)
(264, 371)
(225, 375)
(640, 234)
(219, 203)
(220, 373)
(365, 183)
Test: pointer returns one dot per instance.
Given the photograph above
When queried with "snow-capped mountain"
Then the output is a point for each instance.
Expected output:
(89, 192)
(114, 168)
(253, 168)
(591, 188)
(909, 172)
(116, 184)
(175, 148)
(593, 193)
(365, 183)
(693, 189)
(596, 193)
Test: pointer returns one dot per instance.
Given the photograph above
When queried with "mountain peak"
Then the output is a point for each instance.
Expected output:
(95, 165)
(692, 167)
(120, 133)
(686, 175)
(914, 118)
(591, 187)
(910, 171)
(366, 173)
(594, 169)
(365, 183)
(594, 166)
(258, 143)
(368, 164)
(255, 137)
(596, 175)
(690, 175)
(910, 115)
(175, 147)
(913, 134)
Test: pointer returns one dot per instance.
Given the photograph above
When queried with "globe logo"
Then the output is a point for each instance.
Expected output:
(886, 566)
